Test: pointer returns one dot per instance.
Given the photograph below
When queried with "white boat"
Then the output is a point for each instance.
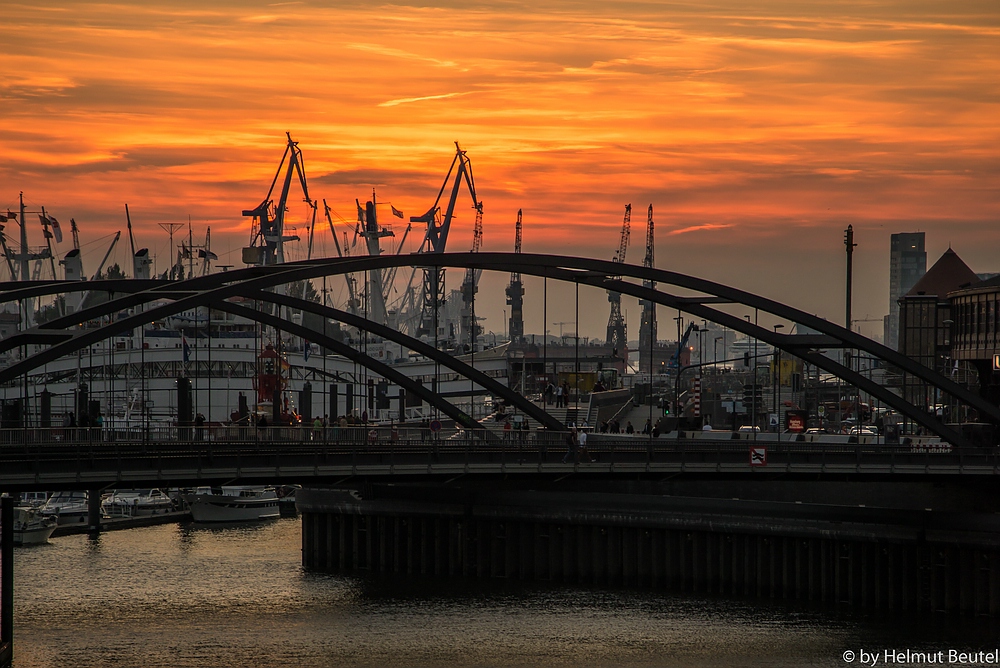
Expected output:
(34, 499)
(31, 528)
(67, 507)
(232, 504)
(137, 502)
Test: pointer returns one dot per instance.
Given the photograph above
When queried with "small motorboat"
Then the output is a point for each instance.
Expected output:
(137, 502)
(67, 507)
(30, 527)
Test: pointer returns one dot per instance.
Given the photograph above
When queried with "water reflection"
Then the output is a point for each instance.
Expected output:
(200, 595)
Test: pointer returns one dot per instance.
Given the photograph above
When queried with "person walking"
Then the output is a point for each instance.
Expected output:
(559, 396)
(572, 442)
(584, 455)
(317, 429)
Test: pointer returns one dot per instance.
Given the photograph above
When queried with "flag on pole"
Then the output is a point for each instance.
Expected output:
(202, 253)
(396, 212)
(56, 229)
(187, 349)
(305, 351)
(11, 216)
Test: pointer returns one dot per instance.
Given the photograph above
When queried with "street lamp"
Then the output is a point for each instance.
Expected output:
(753, 386)
(777, 384)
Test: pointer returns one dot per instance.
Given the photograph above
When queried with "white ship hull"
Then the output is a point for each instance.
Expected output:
(30, 528)
(232, 508)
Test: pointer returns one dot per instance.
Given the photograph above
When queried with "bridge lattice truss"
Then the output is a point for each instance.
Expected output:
(63, 337)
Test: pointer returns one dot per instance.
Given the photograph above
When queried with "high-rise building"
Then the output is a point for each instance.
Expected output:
(907, 264)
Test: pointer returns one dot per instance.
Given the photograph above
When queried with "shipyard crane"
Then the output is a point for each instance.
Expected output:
(371, 232)
(647, 327)
(100, 267)
(140, 258)
(515, 291)
(617, 333)
(470, 286)
(267, 237)
(436, 237)
(675, 358)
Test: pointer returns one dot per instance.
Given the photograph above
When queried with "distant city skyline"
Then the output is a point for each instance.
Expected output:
(758, 134)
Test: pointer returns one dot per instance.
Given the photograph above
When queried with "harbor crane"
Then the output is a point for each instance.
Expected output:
(375, 295)
(436, 238)
(647, 327)
(515, 291)
(470, 286)
(617, 333)
(267, 236)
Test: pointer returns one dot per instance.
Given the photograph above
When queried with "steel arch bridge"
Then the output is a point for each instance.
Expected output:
(62, 338)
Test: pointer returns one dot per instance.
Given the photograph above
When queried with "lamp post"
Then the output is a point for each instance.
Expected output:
(753, 387)
(777, 384)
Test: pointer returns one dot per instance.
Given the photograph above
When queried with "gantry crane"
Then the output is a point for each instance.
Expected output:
(515, 291)
(647, 328)
(617, 333)
(436, 238)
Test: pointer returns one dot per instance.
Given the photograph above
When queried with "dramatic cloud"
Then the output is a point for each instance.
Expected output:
(758, 134)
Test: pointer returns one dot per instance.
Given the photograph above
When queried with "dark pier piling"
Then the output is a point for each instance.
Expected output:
(902, 558)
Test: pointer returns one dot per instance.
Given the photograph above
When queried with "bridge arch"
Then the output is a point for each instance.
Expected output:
(597, 273)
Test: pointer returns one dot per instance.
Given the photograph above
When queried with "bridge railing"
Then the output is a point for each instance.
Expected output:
(164, 448)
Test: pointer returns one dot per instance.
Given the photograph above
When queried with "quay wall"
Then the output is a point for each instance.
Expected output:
(891, 558)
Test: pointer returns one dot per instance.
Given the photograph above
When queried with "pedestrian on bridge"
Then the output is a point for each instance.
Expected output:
(317, 429)
(559, 396)
(572, 442)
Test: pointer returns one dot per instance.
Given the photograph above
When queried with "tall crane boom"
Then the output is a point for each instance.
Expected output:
(269, 216)
(647, 328)
(515, 291)
(436, 237)
(470, 286)
(617, 332)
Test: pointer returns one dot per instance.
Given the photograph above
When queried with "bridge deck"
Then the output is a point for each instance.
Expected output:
(85, 464)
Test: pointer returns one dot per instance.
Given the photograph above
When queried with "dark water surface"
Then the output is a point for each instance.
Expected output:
(237, 596)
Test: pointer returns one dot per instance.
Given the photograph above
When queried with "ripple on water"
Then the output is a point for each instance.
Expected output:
(188, 595)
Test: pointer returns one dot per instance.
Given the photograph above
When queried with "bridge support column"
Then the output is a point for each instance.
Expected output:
(94, 509)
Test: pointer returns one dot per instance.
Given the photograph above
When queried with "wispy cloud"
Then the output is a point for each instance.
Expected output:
(408, 100)
(699, 228)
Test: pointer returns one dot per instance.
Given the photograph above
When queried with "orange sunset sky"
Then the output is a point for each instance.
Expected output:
(758, 131)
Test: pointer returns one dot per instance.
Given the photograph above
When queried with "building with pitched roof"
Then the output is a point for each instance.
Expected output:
(925, 326)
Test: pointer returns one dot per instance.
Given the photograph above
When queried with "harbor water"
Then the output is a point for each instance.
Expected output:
(190, 595)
